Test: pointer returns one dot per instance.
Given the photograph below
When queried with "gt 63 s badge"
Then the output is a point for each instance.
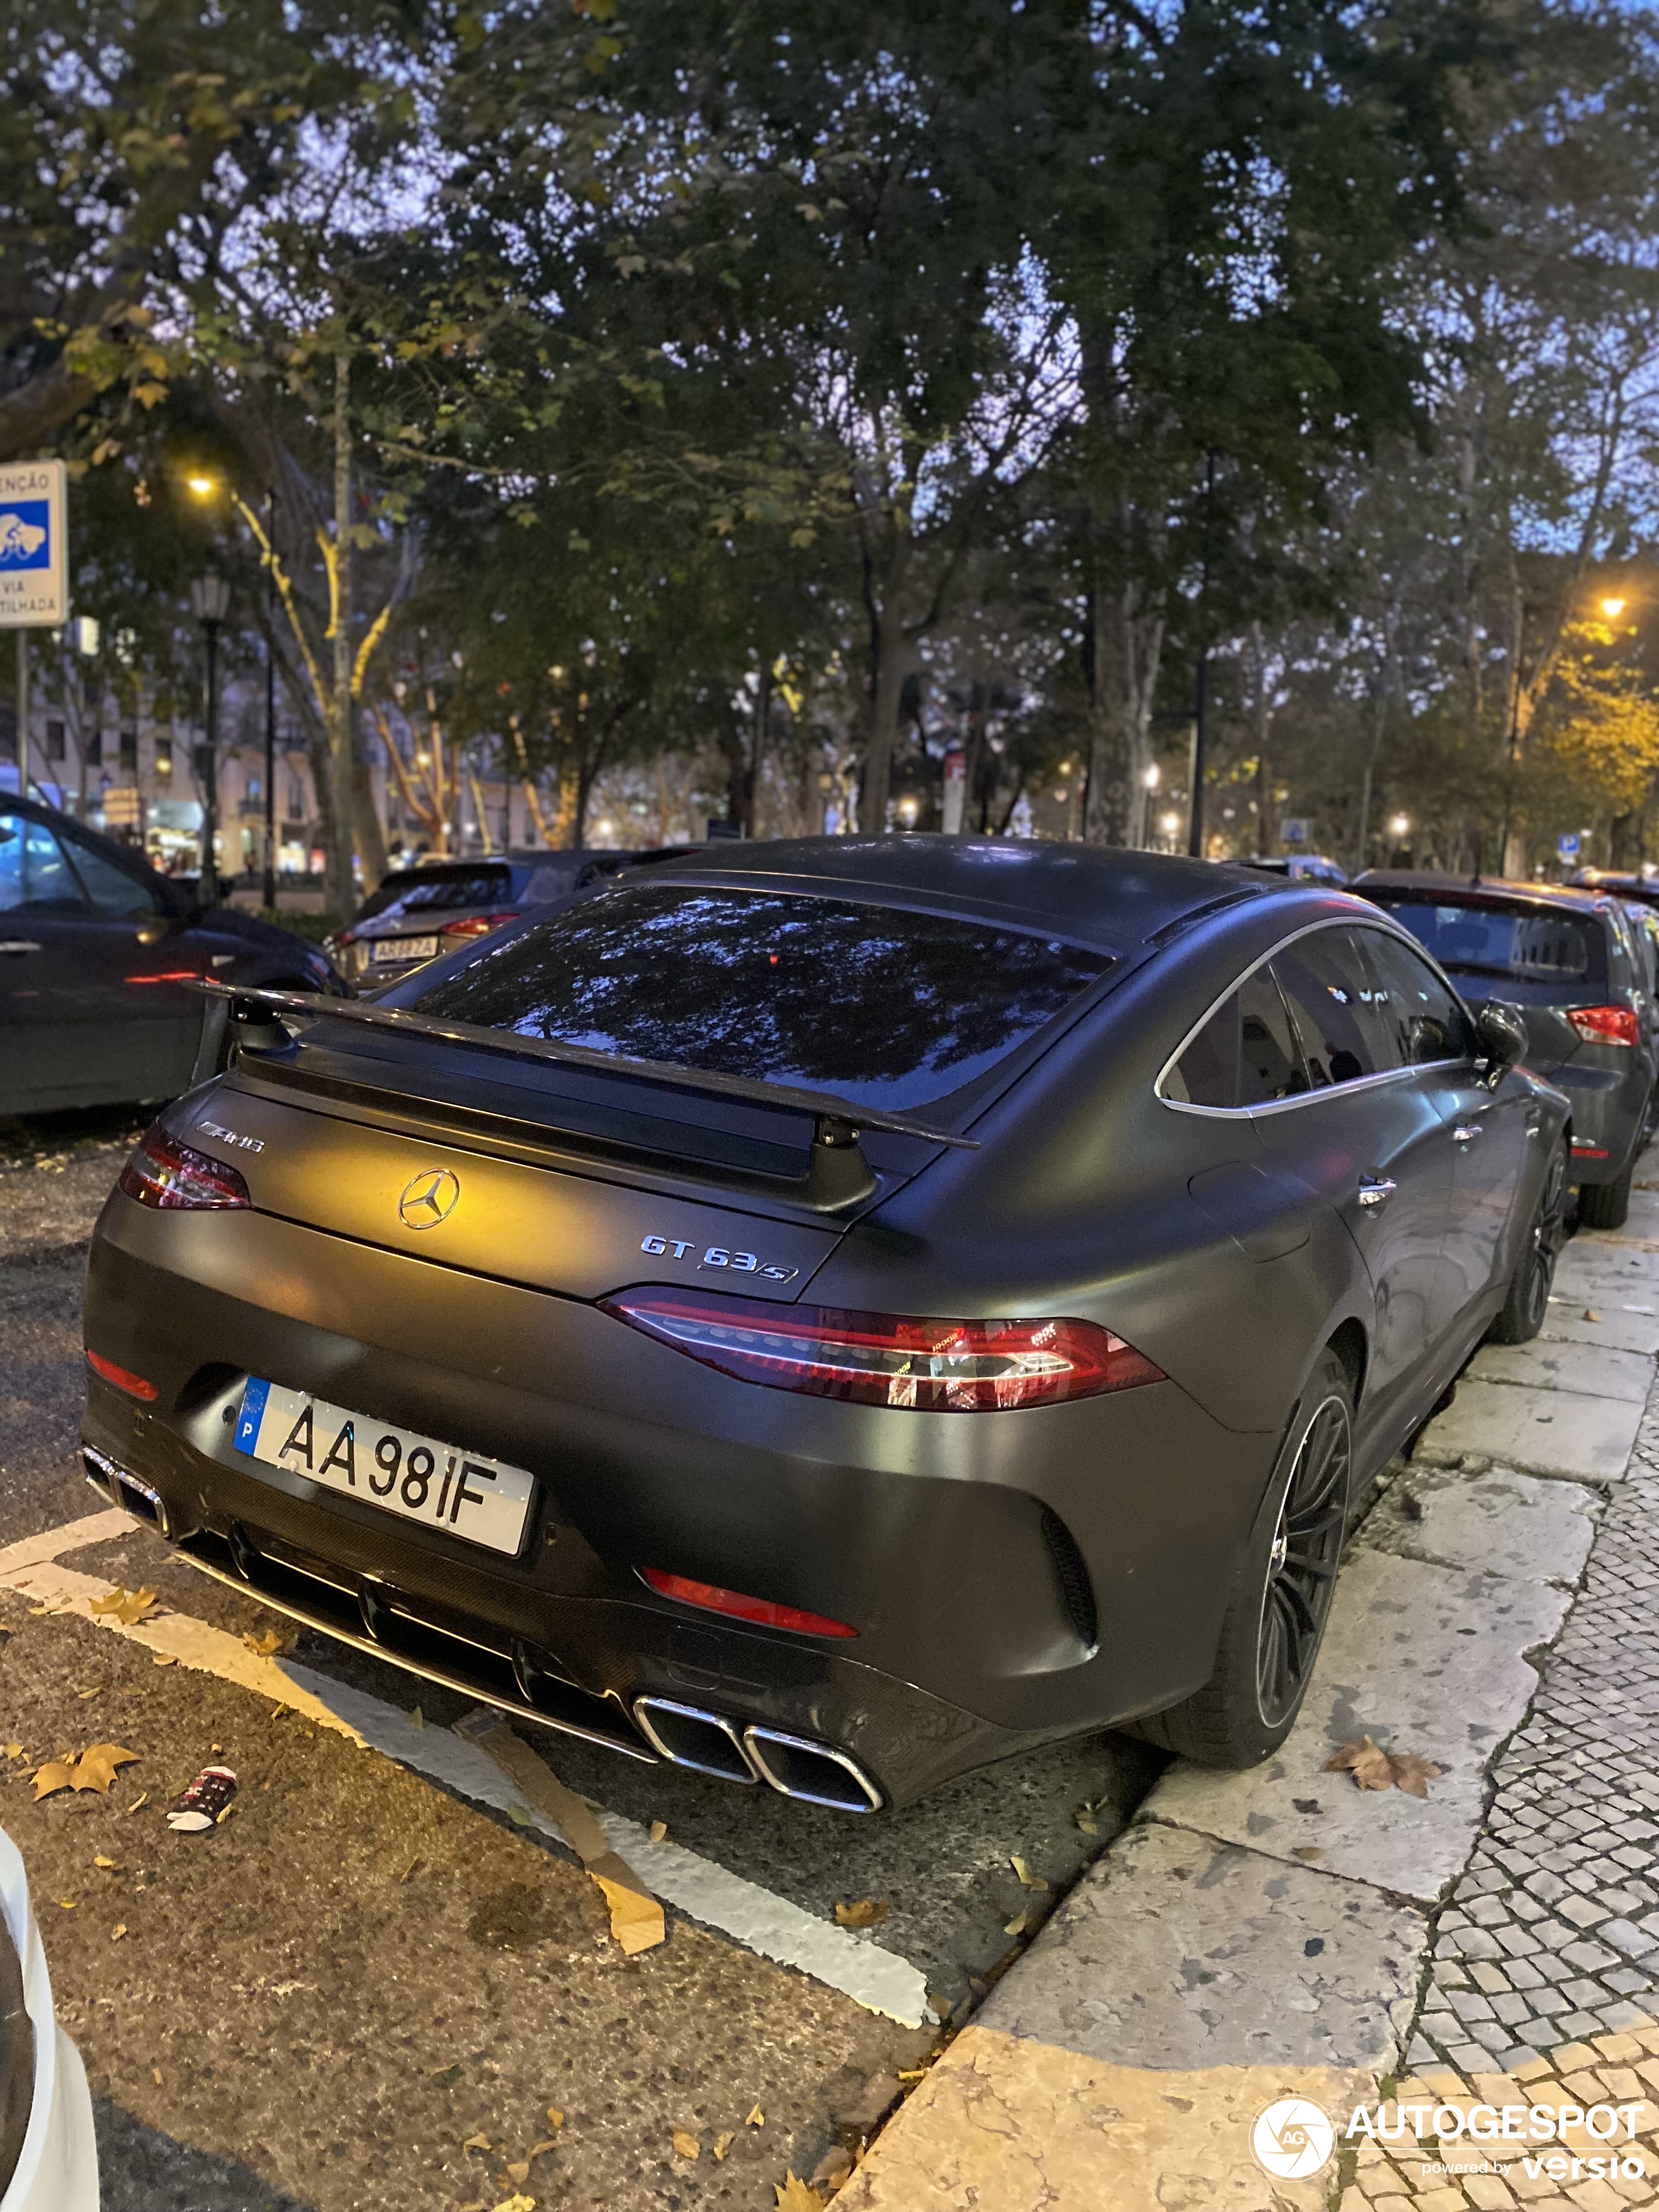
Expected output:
(720, 1256)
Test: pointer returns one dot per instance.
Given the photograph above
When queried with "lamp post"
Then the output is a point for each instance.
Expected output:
(209, 602)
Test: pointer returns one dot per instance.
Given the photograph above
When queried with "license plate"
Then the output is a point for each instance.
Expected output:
(405, 948)
(481, 1500)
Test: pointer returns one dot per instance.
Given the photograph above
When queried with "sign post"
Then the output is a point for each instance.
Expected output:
(33, 569)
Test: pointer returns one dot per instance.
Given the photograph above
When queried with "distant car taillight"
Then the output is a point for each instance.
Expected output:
(1605, 1024)
(920, 1365)
(475, 924)
(162, 1172)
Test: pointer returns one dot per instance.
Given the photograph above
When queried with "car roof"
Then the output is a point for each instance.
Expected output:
(1483, 890)
(60, 818)
(1093, 893)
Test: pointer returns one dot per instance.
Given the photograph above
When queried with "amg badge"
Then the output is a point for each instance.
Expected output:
(718, 1256)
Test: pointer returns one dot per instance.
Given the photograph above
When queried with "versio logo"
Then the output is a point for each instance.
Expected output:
(1292, 2139)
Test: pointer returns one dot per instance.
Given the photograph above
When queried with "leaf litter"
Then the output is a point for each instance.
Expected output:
(862, 1911)
(1372, 1768)
(128, 1607)
(96, 1769)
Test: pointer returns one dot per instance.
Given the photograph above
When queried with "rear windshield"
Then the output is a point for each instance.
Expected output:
(438, 890)
(1518, 944)
(886, 1007)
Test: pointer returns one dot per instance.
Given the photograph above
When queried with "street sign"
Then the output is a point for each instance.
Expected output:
(34, 545)
(1567, 844)
(1294, 831)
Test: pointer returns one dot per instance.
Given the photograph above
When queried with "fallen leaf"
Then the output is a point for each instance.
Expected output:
(686, 2143)
(832, 2169)
(128, 1607)
(14, 1751)
(516, 2203)
(1413, 1774)
(97, 1766)
(537, 2148)
(518, 2169)
(56, 1774)
(118, 1931)
(1361, 1758)
(555, 2118)
(100, 1860)
(417, 1718)
(155, 2075)
(1030, 1880)
(520, 1815)
(163, 1659)
(442, 2076)
(264, 1643)
(416, 1862)
(139, 1802)
(862, 1912)
(476, 2142)
(1588, 1315)
(1089, 1825)
(659, 1832)
(84, 1694)
(794, 2195)
(913, 2074)
(68, 1904)
(1308, 1851)
(1016, 1926)
(756, 2118)
(724, 2143)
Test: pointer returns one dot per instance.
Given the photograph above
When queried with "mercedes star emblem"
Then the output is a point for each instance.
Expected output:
(430, 1198)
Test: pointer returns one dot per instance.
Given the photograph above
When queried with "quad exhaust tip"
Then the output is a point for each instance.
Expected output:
(797, 1766)
(125, 1490)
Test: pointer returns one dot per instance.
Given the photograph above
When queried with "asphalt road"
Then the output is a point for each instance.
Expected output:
(366, 1989)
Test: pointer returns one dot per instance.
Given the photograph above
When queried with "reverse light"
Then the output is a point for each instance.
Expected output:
(1605, 1024)
(162, 1172)
(475, 924)
(713, 1599)
(122, 1378)
(921, 1365)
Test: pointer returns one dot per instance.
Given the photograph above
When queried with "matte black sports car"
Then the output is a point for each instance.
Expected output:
(1569, 961)
(832, 1314)
(97, 952)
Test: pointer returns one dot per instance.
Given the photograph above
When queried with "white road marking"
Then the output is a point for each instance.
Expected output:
(861, 1969)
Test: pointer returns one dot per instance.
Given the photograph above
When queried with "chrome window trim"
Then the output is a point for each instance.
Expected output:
(1331, 1089)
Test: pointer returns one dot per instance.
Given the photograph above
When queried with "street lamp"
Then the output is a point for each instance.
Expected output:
(1400, 828)
(1613, 608)
(209, 602)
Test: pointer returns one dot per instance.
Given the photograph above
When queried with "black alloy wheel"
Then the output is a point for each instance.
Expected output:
(1302, 1562)
(1521, 1315)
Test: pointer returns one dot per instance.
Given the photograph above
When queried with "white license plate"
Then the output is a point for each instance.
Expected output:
(405, 948)
(416, 1477)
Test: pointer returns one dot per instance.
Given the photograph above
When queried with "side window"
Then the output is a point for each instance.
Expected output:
(1344, 1035)
(34, 874)
(1426, 1022)
(1246, 1055)
(112, 890)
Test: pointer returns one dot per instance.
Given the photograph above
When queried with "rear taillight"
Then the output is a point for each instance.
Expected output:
(1605, 1024)
(122, 1378)
(891, 1359)
(760, 1610)
(162, 1172)
(475, 924)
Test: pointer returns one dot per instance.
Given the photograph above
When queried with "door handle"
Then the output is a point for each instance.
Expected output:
(1376, 1190)
(1466, 1132)
(18, 945)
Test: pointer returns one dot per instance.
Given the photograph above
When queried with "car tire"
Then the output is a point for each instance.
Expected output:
(1606, 1204)
(1282, 1598)
(1522, 1312)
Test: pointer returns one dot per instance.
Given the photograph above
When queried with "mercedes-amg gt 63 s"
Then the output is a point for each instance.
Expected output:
(834, 1314)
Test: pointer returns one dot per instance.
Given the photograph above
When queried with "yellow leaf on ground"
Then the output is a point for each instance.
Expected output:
(517, 2169)
(756, 2118)
(555, 2118)
(794, 2195)
(476, 2142)
(1029, 1880)
(266, 1644)
(163, 1659)
(128, 1607)
(536, 2149)
(98, 1765)
(14, 1751)
(87, 1693)
(1361, 1758)
(516, 2204)
(1413, 1774)
(862, 1912)
(1588, 1315)
(686, 2143)
(100, 1859)
(118, 1931)
(659, 1832)
(138, 1803)
(724, 2143)
(1089, 1825)
(56, 1774)
(1016, 1926)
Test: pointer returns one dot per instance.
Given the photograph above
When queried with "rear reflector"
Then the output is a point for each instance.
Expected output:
(1589, 1151)
(122, 1378)
(162, 1172)
(475, 924)
(891, 1359)
(713, 1599)
(1605, 1024)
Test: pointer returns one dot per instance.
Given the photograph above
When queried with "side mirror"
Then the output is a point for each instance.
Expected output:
(1502, 1031)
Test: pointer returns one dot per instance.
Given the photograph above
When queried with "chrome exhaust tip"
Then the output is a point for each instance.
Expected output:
(125, 1490)
(811, 1773)
(687, 1736)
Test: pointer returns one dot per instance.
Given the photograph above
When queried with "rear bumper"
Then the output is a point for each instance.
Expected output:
(1012, 1578)
(1609, 1097)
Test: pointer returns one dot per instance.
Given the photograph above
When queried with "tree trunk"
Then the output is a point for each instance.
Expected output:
(883, 593)
(342, 889)
(1267, 807)
(1126, 644)
(365, 815)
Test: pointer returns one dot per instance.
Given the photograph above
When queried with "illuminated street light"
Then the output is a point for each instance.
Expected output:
(1169, 825)
(908, 810)
(202, 486)
(1399, 826)
(1151, 777)
(1613, 608)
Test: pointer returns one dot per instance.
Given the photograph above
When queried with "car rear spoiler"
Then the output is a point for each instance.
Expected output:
(839, 1175)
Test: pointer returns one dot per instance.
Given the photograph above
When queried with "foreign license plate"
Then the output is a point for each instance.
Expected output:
(405, 948)
(416, 1477)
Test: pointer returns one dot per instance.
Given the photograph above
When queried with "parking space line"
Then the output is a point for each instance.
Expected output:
(878, 1979)
(68, 1536)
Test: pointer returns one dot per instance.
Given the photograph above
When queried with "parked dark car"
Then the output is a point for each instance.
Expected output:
(1569, 960)
(834, 1313)
(1299, 867)
(98, 956)
(1617, 883)
(418, 913)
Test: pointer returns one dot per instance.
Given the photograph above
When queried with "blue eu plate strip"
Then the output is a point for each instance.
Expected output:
(253, 1413)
